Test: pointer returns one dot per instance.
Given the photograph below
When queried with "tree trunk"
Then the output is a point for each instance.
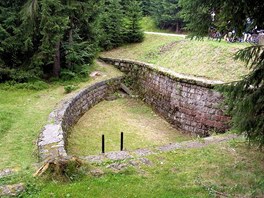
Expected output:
(177, 27)
(57, 64)
(70, 40)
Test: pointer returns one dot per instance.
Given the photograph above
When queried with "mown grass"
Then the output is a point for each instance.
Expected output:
(209, 59)
(224, 170)
(141, 126)
(24, 112)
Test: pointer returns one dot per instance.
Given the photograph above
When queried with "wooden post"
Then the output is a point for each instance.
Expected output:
(122, 141)
(103, 144)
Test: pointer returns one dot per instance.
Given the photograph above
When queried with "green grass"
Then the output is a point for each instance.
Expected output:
(22, 115)
(209, 59)
(141, 126)
(228, 168)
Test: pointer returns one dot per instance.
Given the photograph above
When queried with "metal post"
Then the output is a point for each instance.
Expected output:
(122, 141)
(103, 144)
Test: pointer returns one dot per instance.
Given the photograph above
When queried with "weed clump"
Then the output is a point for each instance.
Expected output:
(70, 88)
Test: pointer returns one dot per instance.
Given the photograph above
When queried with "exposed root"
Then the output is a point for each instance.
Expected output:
(59, 166)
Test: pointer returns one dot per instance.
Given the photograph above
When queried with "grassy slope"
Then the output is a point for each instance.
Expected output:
(24, 113)
(210, 59)
(141, 126)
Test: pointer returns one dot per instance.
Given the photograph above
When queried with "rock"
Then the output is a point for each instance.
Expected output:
(118, 166)
(6, 172)
(94, 158)
(119, 155)
(95, 73)
(11, 190)
(169, 147)
(97, 172)
(143, 152)
(133, 163)
(145, 161)
(111, 98)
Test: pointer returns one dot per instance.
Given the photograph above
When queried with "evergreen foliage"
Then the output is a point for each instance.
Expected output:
(166, 14)
(246, 97)
(146, 7)
(133, 33)
(47, 38)
(112, 22)
(120, 23)
(197, 14)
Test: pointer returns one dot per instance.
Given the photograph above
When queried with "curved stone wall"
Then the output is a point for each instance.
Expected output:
(187, 102)
(53, 138)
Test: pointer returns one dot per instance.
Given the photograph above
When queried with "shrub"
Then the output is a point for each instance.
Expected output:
(70, 88)
(67, 75)
(38, 85)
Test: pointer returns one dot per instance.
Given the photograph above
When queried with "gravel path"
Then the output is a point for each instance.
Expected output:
(166, 34)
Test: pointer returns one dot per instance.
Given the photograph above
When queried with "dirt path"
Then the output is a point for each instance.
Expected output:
(166, 34)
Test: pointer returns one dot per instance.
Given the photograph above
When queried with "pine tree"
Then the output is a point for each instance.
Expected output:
(53, 25)
(166, 14)
(146, 7)
(44, 36)
(133, 32)
(13, 44)
(197, 14)
(246, 97)
(112, 22)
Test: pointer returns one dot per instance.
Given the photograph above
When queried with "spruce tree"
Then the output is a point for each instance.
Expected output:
(133, 32)
(146, 7)
(41, 37)
(112, 24)
(166, 14)
(245, 98)
(53, 25)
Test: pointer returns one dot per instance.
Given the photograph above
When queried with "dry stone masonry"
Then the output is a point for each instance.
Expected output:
(53, 138)
(187, 102)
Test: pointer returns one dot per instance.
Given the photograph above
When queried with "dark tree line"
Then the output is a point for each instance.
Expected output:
(164, 12)
(44, 38)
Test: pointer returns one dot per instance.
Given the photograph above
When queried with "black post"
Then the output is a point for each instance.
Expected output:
(103, 144)
(122, 141)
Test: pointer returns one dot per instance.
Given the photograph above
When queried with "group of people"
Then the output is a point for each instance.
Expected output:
(251, 33)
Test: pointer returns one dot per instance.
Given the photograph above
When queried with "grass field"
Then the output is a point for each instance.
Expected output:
(228, 169)
(141, 126)
(209, 59)
(22, 115)
(223, 170)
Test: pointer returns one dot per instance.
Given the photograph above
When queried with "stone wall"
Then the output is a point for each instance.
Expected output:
(53, 138)
(187, 102)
